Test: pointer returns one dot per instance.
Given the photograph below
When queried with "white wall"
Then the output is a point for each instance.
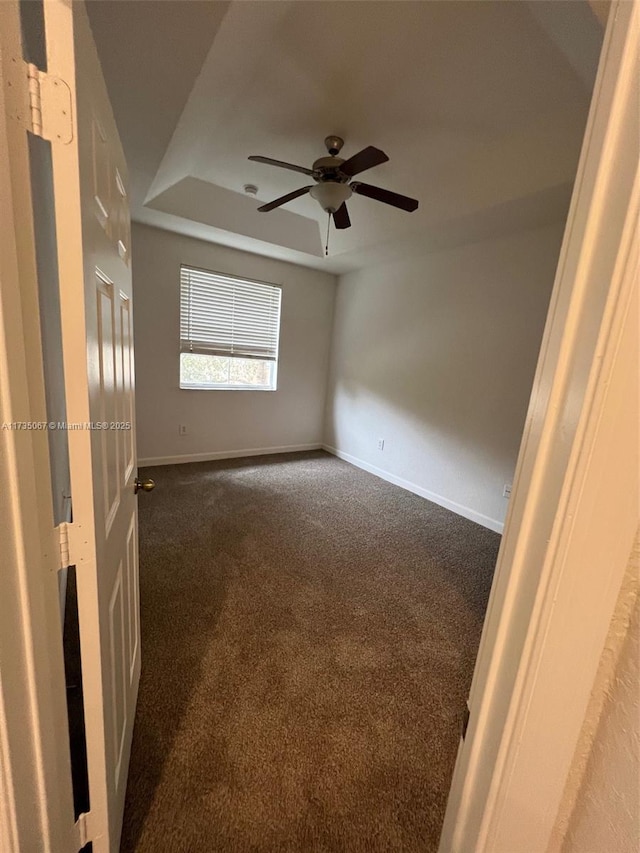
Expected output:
(607, 814)
(436, 355)
(225, 422)
(601, 805)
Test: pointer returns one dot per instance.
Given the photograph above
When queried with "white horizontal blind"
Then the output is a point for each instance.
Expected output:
(228, 316)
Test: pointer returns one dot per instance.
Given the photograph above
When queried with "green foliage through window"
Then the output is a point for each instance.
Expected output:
(211, 371)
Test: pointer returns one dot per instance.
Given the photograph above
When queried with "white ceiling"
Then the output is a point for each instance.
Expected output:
(481, 107)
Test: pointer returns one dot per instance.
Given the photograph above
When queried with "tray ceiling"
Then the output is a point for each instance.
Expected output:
(481, 107)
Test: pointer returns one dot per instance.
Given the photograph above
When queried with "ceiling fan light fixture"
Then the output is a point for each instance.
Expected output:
(330, 195)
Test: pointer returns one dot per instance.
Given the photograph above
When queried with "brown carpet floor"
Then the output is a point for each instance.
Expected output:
(309, 633)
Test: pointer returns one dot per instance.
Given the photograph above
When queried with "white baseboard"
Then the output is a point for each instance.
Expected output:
(459, 509)
(224, 454)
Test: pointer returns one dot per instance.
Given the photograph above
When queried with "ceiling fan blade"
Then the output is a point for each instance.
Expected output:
(363, 160)
(385, 196)
(281, 164)
(341, 217)
(283, 199)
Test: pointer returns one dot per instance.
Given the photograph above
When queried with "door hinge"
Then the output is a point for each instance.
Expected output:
(65, 550)
(49, 106)
(82, 827)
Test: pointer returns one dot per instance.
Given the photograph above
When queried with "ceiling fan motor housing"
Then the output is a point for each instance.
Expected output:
(328, 169)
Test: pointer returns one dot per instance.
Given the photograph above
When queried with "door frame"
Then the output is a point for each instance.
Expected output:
(573, 517)
(537, 561)
(36, 801)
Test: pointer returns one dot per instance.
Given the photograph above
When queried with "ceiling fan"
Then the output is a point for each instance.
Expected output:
(334, 185)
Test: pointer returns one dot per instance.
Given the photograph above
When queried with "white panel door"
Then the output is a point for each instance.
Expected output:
(93, 235)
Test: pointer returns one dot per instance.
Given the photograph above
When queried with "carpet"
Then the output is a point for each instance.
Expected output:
(308, 639)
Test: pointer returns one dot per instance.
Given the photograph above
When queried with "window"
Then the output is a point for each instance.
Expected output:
(229, 331)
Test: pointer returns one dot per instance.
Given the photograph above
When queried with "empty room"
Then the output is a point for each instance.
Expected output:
(299, 269)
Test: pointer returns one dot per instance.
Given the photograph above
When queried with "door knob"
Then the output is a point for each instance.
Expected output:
(143, 485)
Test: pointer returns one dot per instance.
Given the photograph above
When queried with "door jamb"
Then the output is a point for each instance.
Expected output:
(36, 801)
(564, 524)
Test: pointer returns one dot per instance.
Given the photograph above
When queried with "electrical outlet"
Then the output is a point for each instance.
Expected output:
(182, 429)
(381, 444)
(506, 490)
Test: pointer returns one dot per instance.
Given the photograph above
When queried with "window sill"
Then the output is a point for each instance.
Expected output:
(226, 388)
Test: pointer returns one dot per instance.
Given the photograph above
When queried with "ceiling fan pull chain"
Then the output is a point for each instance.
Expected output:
(326, 248)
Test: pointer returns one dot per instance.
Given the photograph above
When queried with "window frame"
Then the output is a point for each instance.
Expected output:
(216, 386)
